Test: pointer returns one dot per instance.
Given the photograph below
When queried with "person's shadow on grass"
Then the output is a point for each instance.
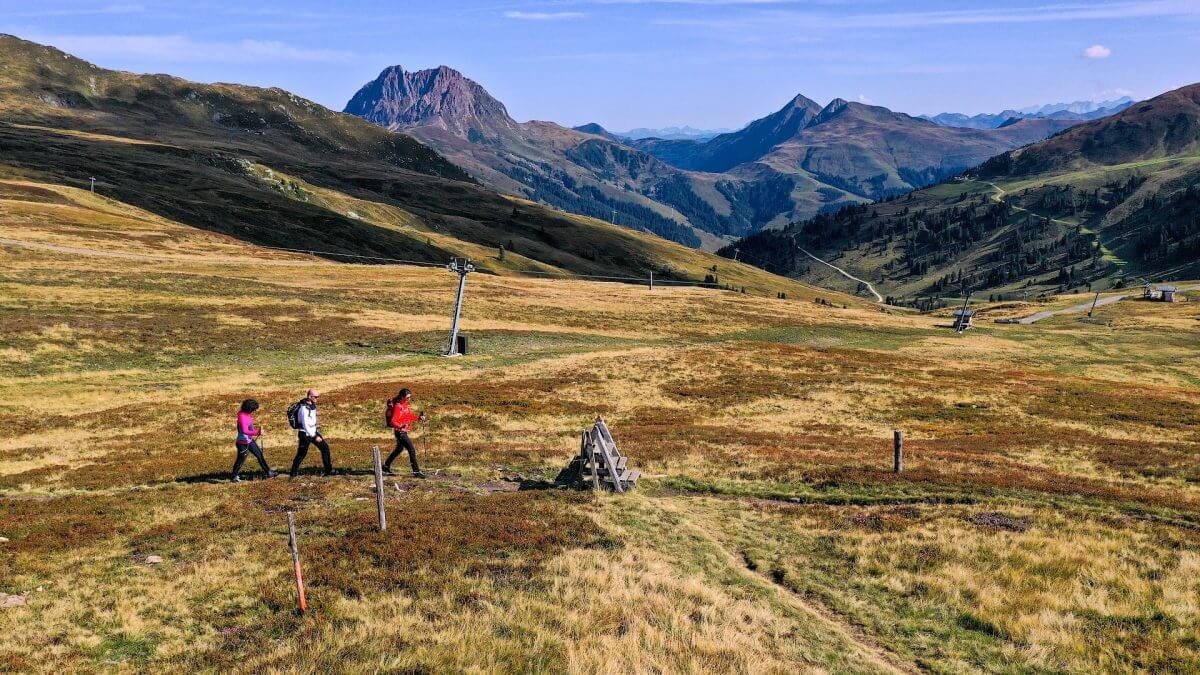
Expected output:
(311, 472)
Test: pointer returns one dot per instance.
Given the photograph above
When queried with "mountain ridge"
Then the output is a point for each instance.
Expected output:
(801, 160)
(586, 170)
(270, 168)
(1102, 203)
(1079, 110)
(853, 150)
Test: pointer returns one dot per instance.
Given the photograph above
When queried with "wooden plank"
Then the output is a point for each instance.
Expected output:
(603, 428)
(590, 448)
(609, 462)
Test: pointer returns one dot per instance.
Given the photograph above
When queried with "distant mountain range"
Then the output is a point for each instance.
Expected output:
(801, 160)
(844, 152)
(673, 133)
(1113, 199)
(1079, 111)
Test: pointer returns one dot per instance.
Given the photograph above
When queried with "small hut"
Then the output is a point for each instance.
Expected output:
(963, 319)
(1167, 293)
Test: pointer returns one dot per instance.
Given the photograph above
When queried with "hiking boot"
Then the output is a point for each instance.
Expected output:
(328, 473)
(419, 474)
(235, 479)
(272, 474)
(387, 471)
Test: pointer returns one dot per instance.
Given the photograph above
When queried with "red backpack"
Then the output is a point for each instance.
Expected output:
(387, 416)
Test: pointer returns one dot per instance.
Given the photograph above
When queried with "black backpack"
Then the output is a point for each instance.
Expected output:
(293, 414)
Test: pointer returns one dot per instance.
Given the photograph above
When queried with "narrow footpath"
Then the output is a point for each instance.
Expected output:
(878, 297)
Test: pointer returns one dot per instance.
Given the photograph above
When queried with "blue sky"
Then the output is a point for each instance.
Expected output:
(626, 63)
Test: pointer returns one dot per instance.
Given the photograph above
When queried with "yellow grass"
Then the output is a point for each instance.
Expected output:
(1046, 520)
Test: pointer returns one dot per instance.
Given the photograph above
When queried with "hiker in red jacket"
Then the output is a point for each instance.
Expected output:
(400, 417)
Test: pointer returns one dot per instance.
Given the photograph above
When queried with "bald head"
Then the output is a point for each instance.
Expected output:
(313, 394)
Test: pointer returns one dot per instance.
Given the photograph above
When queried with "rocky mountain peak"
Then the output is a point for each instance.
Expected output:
(441, 97)
(833, 109)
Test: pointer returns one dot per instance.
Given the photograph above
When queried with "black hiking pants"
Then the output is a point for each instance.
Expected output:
(302, 450)
(250, 448)
(403, 442)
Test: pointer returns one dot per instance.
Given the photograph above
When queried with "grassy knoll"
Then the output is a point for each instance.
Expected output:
(1047, 520)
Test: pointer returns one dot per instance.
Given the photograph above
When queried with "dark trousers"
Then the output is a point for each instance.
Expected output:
(403, 442)
(252, 449)
(302, 450)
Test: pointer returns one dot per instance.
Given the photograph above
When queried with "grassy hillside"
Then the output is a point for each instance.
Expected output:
(268, 167)
(1045, 521)
(1110, 202)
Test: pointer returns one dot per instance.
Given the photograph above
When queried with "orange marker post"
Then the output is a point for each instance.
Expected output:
(296, 562)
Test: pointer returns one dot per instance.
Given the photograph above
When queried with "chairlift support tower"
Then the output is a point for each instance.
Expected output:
(962, 324)
(462, 267)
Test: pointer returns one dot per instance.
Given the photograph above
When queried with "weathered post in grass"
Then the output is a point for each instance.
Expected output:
(651, 279)
(379, 489)
(897, 451)
(301, 599)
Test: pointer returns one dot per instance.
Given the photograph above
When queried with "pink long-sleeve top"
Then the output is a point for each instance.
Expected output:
(246, 429)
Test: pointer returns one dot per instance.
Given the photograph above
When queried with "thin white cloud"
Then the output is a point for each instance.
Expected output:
(544, 16)
(179, 48)
(1097, 52)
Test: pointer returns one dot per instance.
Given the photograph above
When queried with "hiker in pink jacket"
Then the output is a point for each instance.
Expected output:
(248, 434)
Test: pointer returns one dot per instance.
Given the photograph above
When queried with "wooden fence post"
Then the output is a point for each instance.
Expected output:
(652, 280)
(379, 489)
(898, 451)
(302, 600)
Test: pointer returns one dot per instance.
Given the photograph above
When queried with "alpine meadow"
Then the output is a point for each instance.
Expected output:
(417, 387)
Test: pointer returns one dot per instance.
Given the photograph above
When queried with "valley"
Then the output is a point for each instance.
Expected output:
(1109, 203)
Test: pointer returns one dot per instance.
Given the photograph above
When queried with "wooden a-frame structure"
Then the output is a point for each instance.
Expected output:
(599, 463)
